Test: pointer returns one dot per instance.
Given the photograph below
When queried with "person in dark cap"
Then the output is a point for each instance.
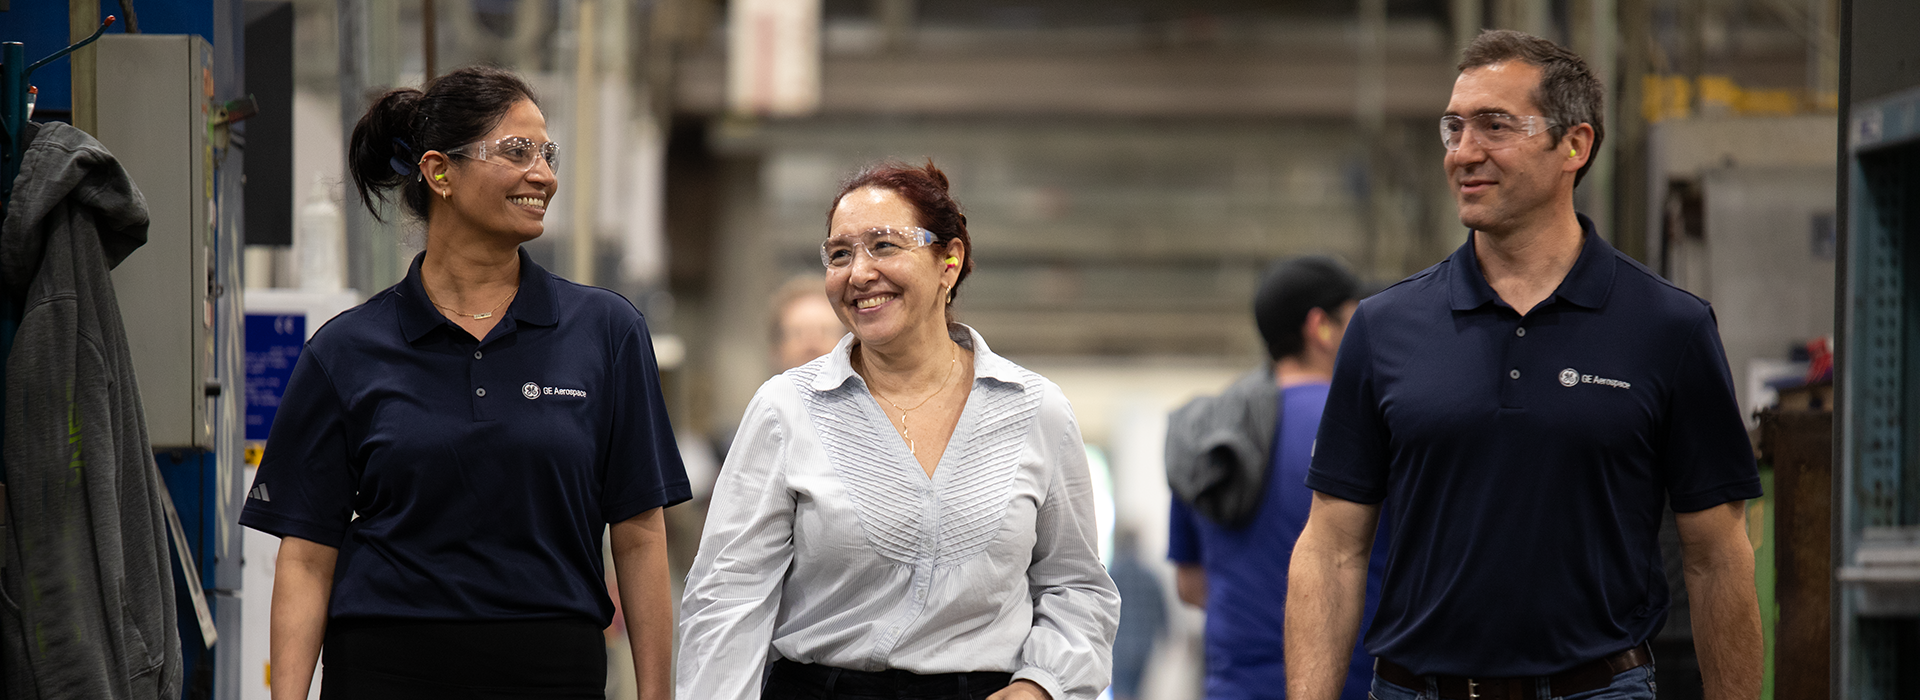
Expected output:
(1237, 464)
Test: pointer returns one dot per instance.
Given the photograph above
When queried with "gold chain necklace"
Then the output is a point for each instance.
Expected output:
(479, 316)
(952, 362)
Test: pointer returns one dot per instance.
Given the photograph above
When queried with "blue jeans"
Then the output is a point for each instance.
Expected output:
(1631, 684)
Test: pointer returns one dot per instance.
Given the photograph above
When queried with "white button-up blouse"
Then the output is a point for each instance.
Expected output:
(827, 543)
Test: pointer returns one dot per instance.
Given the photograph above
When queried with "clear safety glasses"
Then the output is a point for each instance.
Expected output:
(517, 152)
(1491, 130)
(880, 243)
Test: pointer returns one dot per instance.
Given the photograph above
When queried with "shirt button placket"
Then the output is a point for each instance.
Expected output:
(473, 374)
(479, 389)
(1514, 355)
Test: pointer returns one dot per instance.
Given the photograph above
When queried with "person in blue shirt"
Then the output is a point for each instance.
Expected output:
(1523, 411)
(1238, 465)
(1143, 616)
(448, 455)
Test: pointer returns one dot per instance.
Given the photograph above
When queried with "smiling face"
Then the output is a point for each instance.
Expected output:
(885, 301)
(1511, 187)
(494, 198)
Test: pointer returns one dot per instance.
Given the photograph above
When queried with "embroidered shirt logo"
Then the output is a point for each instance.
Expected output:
(1570, 377)
(533, 390)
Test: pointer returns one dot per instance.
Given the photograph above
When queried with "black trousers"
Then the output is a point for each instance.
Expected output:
(396, 659)
(797, 681)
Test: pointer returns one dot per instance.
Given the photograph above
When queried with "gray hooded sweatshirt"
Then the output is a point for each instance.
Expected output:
(89, 607)
(1219, 448)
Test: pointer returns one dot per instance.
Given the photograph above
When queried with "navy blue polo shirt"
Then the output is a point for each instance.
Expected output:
(1525, 460)
(464, 479)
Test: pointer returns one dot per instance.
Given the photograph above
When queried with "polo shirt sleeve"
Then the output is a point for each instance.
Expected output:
(1350, 454)
(306, 482)
(1183, 534)
(1706, 457)
(644, 471)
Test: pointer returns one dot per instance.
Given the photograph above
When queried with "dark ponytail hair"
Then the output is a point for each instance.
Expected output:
(455, 109)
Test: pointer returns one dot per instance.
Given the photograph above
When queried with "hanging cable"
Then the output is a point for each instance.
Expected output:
(133, 20)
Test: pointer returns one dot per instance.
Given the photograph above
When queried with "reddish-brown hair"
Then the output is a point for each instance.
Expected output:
(926, 189)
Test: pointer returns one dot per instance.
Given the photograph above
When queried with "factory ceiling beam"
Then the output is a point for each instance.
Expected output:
(1138, 84)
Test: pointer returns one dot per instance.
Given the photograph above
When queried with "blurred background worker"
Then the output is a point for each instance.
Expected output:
(804, 326)
(1143, 615)
(1237, 464)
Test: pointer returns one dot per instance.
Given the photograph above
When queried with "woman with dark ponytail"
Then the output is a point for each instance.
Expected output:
(448, 455)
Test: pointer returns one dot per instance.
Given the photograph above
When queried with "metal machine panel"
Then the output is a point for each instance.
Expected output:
(153, 103)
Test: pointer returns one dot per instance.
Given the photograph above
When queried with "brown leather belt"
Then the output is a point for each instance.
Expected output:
(1592, 675)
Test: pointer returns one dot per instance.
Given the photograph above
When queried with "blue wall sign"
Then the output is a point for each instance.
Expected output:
(273, 343)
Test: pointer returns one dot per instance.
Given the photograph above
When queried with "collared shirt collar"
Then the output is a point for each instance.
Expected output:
(1586, 285)
(986, 364)
(532, 305)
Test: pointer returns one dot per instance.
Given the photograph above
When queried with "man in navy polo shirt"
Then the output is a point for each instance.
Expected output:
(1523, 411)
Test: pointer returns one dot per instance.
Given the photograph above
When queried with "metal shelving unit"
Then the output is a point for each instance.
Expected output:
(1879, 567)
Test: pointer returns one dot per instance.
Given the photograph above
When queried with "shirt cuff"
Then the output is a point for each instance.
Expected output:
(1045, 680)
(664, 497)
(1342, 489)
(1744, 489)
(284, 527)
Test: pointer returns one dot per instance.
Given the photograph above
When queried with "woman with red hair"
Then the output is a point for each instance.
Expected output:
(911, 515)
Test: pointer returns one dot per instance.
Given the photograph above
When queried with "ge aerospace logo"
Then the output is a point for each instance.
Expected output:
(532, 390)
(1569, 377)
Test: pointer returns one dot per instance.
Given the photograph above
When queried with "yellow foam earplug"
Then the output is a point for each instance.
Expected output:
(442, 177)
(1573, 153)
(952, 260)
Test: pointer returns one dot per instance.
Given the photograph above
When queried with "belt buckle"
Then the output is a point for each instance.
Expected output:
(1473, 692)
